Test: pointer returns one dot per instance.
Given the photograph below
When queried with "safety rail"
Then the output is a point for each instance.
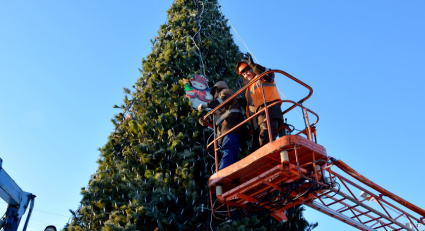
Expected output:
(309, 131)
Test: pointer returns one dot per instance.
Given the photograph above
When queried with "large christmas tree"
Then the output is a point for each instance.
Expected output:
(153, 171)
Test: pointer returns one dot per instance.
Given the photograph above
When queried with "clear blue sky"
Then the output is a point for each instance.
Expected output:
(63, 66)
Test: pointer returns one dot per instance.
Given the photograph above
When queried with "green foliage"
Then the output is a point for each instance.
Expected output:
(152, 171)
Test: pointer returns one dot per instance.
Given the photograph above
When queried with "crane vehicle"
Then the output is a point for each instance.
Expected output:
(17, 200)
(294, 169)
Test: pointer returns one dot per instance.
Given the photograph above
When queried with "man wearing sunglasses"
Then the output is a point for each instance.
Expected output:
(254, 100)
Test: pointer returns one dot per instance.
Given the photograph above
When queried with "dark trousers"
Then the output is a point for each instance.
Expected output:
(261, 135)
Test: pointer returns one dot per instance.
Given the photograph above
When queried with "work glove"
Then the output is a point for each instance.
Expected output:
(201, 122)
(202, 107)
(249, 60)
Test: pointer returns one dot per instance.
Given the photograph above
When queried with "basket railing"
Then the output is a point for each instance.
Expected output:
(309, 130)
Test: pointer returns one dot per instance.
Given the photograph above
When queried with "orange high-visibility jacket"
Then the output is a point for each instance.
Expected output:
(254, 94)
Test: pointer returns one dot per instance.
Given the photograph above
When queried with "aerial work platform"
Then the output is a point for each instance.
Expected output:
(282, 165)
(293, 170)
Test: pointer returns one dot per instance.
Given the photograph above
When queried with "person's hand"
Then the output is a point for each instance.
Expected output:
(201, 122)
(249, 60)
(202, 107)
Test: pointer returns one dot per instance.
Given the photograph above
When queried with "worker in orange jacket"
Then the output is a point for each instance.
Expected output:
(254, 101)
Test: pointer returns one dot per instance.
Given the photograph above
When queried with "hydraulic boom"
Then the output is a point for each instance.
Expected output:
(17, 201)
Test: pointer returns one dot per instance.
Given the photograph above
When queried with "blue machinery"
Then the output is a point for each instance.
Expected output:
(17, 200)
